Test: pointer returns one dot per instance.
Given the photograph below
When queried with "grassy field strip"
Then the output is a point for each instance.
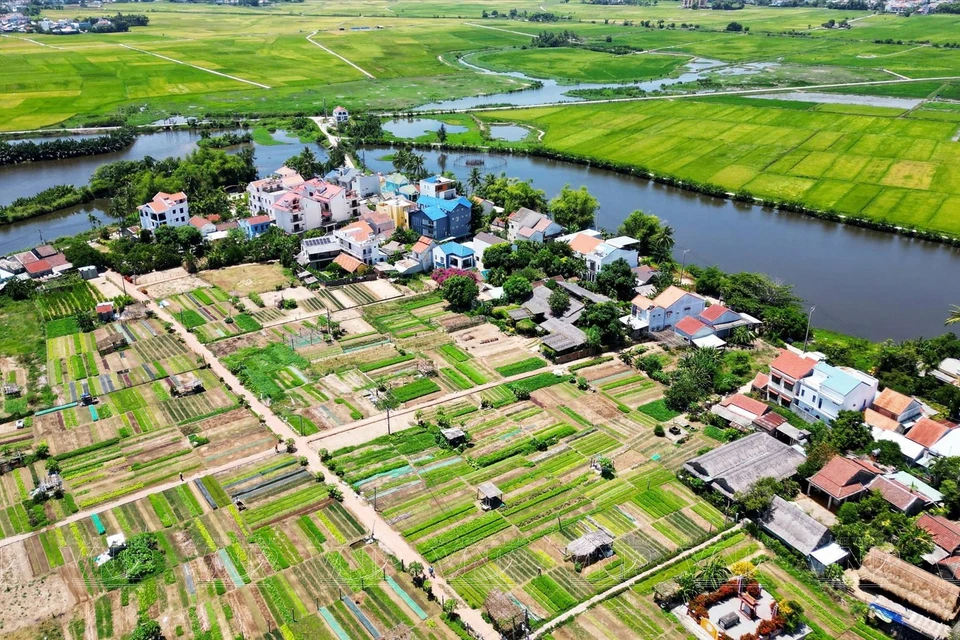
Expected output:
(519, 33)
(218, 73)
(313, 42)
(49, 46)
(701, 95)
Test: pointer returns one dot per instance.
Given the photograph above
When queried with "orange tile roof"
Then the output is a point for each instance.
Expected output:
(749, 405)
(360, 231)
(760, 381)
(199, 222)
(892, 401)
(927, 432)
(422, 244)
(643, 302)
(348, 262)
(670, 296)
(792, 365)
(38, 266)
(880, 421)
(584, 244)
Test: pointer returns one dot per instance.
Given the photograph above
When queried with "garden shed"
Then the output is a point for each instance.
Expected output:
(454, 436)
(109, 340)
(505, 614)
(592, 546)
(11, 389)
(186, 383)
(489, 495)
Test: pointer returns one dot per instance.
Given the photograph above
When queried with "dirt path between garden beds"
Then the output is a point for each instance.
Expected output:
(623, 586)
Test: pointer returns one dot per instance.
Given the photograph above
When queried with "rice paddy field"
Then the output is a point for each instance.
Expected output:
(292, 564)
(538, 452)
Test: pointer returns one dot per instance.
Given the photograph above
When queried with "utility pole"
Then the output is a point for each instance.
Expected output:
(388, 420)
(683, 265)
(806, 336)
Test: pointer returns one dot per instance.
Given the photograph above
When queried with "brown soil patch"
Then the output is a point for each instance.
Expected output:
(226, 347)
(173, 287)
(25, 601)
(244, 279)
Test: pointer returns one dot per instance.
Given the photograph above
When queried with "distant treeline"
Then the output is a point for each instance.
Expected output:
(551, 39)
(47, 201)
(120, 23)
(59, 149)
(949, 7)
(223, 141)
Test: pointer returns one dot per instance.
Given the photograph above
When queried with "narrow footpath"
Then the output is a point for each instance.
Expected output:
(364, 512)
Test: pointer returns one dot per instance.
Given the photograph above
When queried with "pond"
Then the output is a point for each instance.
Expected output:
(416, 127)
(508, 132)
(862, 282)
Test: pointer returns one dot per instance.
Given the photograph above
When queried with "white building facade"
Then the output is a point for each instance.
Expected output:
(165, 210)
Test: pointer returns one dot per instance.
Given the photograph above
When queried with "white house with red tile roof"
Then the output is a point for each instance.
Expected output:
(740, 409)
(204, 226)
(359, 240)
(900, 409)
(665, 311)
(786, 371)
(166, 209)
(340, 115)
(263, 194)
(843, 479)
(928, 432)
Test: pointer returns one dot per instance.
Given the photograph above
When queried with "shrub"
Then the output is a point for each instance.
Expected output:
(658, 431)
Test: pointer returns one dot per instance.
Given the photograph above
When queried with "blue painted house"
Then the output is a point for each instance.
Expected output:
(453, 255)
(442, 218)
(255, 226)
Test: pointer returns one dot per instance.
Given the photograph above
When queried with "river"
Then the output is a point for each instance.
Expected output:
(866, 283)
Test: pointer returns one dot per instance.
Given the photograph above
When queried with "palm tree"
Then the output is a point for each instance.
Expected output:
(713, 574)
(687, 585)
(741, 337)
(661, 244)
(954, 317)
(93, 220)
(475, 179)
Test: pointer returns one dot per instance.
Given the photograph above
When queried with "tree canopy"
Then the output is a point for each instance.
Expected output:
(574, 209)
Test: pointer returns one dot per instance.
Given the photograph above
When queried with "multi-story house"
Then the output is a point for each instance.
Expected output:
(829, 390)
(441, 218)
(453, 255)
(295, 214)
(526, 224)
(786, 372)
(166, 209)
(893, 411)
(263, 194)
(665, 311)
(359, 240)
(341, 115)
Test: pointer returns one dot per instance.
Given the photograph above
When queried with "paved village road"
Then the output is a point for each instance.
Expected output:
(364, 512)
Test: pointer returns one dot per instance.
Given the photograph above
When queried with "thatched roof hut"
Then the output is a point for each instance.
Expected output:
(588, 546)
(912, 585)
(505, 614)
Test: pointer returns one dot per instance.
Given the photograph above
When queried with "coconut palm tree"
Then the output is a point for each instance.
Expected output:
(661, 244)
(475, 179)
(954, 317)
(713, 573)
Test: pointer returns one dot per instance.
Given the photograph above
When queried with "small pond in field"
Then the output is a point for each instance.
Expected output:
(508, 132)
(416, 127)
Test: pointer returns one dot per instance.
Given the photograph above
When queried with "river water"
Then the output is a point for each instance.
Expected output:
(867, 283)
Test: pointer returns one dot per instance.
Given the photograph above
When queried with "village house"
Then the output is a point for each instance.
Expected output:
(453, 255)
(843, 479)
(364, 184)
(204, 226)
(254, 226)
(340, 115)
(927, 433)
(948, 371)
(483, 241)
(829, 390)
(381, 223)
(526, 224)
(893, 411)
(348, 263)
(737, 465)
(359, 240)
(787, 522)
(392, 183)
(488, 206)
(441, 213)
(945, 534)
(166, 209)
(786, 371)
(318, 252)
(263, 194)
(398, 209)
(419, 258)
(663, 312)
(597, 253)
(740, 410)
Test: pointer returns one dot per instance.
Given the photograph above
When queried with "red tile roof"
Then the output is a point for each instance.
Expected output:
(893, 492)
(927, 432)
(892, 402)
(584, 244)
(792, 365)
(57, 260)
(37, 266)
(44, 251)
(749, 405)
(26, 258)
(689, 325)
(422, 244)
(760, 381)
(258, 219)
(843, 477)
(945, 533)
(199, 222)
(214, 218)
(713, 312)
(105, 307)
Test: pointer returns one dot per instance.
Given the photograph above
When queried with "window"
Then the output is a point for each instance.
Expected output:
(820, 403)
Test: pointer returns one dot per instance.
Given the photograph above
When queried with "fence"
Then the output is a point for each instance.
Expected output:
(342, 281)
(575, 355)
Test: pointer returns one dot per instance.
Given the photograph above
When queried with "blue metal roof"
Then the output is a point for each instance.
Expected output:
(445, 205)
(456, 249)
(431, 179)
(434, 213)
(837, 380)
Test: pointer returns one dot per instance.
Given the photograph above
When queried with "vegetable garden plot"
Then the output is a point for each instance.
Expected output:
(159, 348)
(68, 299)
